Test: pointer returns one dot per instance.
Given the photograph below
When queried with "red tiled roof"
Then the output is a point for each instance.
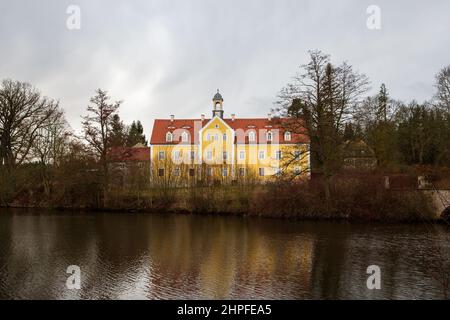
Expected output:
(127, 154)
(193, 126)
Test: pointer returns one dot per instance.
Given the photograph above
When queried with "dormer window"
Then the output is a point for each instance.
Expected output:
(169, 137)
(287, 136)
(269, 136)
(184, 137)
(251, 136)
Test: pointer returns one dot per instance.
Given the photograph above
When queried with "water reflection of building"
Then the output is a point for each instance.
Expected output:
(213, 257)
(167, 256)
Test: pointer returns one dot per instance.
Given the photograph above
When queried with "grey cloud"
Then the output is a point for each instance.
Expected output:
(164, 57)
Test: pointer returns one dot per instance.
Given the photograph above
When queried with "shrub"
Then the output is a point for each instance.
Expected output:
(353, 197)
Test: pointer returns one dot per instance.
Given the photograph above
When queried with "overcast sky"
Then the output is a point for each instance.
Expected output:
(169, 57)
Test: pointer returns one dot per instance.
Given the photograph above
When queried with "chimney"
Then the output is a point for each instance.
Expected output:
(269, 116)
(202, 116)
(172, 117)
(233, 117)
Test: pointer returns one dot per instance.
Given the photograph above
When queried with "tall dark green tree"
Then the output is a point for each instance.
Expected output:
(352, 132)
(136, 134)
(376, 116)
(383, 99)
(118, 135)
(423, 134)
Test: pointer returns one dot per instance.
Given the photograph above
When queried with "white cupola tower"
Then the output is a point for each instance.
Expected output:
(218, 105)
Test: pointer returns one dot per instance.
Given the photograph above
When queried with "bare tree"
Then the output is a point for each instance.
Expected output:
(50, 146)
(293, 163)
(23, 113)
(52, 140)
(368, 112)
(97, 127)
(322, 98)
(167, 177)
(442, 96)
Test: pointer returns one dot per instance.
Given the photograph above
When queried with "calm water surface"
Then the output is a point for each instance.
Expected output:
(143, 256)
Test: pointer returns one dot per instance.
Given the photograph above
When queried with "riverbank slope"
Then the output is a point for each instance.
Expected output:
(351, 199)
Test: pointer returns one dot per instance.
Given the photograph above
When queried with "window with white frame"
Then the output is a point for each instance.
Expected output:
(169, 137)
(184, 137)
(176, 172)
(225, 155)
(261, 155)
(192, 155)
(242, 172)
(269, 136)
(242, 155)
(216, 137)
(177, 155)
(209, 171)
(278, 155)
(261, 172)
(208, 137)
(225, 172)
(224, 137)
(287, 136)
(209, 155)
(278, 171)
(251, 136)
(161, 155)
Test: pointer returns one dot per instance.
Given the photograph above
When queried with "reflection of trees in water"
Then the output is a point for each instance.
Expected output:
(329, 262)
(437, 258)
(39, 251)
(401, 251)
(176, 256)
(120, 269)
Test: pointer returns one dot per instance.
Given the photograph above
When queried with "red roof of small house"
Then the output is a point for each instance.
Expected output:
(129, 154)
(278, 126)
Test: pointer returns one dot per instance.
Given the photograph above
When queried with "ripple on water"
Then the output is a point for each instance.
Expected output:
(194, 257)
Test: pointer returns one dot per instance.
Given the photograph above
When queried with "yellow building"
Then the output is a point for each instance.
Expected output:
(222, 149)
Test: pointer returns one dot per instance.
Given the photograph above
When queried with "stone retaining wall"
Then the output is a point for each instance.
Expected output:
(441, 198)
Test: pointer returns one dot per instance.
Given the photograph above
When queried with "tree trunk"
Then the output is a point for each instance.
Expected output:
(327, 187)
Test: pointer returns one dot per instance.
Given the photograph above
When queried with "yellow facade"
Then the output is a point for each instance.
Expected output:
(217, 158)
(216, 153)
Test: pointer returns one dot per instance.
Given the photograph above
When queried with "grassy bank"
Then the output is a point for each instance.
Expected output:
(352, 198)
